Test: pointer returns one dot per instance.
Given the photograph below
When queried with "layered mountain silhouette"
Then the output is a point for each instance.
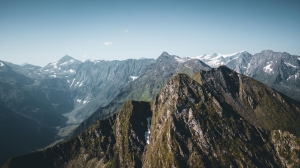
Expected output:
(217, 118)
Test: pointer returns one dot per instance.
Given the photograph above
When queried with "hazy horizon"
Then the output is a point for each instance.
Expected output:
(40, 32)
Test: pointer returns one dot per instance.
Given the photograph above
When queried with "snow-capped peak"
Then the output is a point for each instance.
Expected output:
(1, 63)
(229, 55)
(216, 56)
(216, 60)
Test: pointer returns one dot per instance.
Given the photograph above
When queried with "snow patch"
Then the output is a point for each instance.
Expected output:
(1, 64)
(133, 77)
(80, 84)
(54, 64)
(85, 102)
(298, 58)
(147, 133)
(289, 64)
(54, 76)
(71, 70)
(181, 60)
(78, 100)
(95, 61)
(72, 82)
(268, 68)
(290, 77)
(67, 62)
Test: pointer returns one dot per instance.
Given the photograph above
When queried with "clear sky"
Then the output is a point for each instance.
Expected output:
(43, 31)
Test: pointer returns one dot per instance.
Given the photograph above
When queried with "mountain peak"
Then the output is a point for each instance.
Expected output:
(66, 58)
(165, 57)
(164, 54)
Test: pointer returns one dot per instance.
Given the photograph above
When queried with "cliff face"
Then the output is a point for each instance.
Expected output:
(206, 122)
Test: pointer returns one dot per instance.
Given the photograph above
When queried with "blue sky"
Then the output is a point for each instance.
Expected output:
(39, 32)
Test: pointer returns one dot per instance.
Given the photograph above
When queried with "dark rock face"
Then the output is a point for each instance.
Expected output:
(206, 122)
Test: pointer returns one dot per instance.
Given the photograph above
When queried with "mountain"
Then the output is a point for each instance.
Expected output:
(45, 100)
(146, 86)
(278, 70)
(28, 70)
(191, 123)
(63, 68)
(31, 110)
(96, 83)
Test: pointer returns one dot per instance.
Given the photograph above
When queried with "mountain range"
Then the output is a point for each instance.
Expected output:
(217, 118)
(61, 95)
(279, 70)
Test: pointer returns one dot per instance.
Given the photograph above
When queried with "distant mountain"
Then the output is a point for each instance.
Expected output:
(96, 83)
(215, 60)
(278, 70)
(63, 68)
(220, 119)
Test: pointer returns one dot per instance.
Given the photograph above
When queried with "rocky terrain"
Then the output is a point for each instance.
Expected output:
(217, 119)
